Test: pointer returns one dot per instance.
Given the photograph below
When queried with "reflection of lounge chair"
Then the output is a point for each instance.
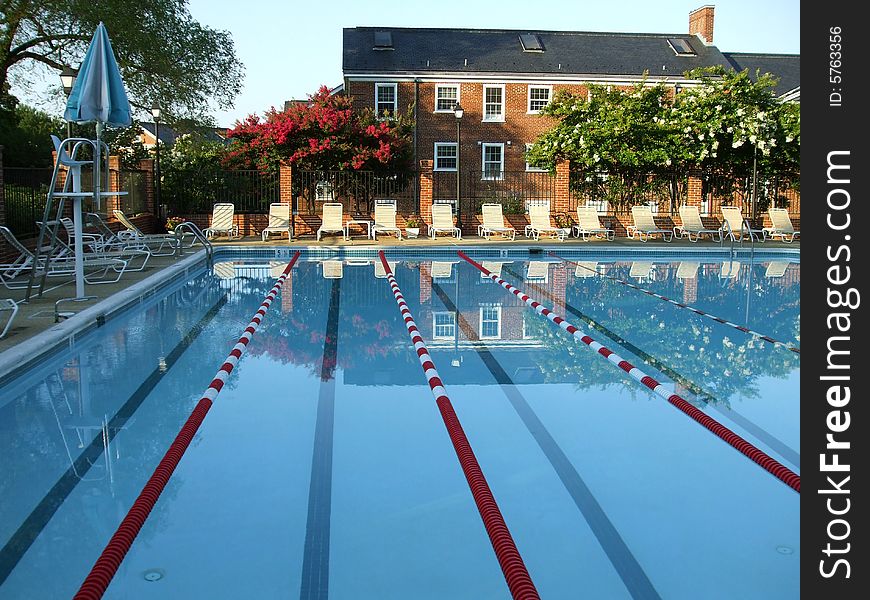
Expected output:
(539, 215)
(688, 270)
(776, 268)
(8, 304)
(224, 270)
(692, 225)
(222, 221)
(276, 269)
(538, 270)
(493, 222)
(333, 220)
(586, 269)
(442, 221)
(155, 242)
(781, 225)
(730, 270)
(279, 220)
(735, 226)
(385, 221)
(493, 267)
(442, 270)
(333, 269)
(380, 273)
(588, 224)
(645, 225)
(641, 270)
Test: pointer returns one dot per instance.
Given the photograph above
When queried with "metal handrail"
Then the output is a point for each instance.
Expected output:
(197, 234)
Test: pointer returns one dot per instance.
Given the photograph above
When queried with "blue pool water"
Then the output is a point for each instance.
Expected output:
(324, 469)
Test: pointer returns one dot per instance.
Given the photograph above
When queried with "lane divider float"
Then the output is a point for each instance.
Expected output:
(95, 584)
(741, 328)
(767, 462)
(516, 575)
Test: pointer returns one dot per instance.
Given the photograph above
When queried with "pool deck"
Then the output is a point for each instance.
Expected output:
(38, 315)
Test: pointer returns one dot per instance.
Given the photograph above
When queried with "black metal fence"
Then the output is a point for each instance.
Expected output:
(186, 192)
(613, 193)
(136, 200)
(356, 190)
(26, 190)
(514, 190)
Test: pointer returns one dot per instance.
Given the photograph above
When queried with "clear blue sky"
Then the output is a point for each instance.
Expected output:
(290, 48)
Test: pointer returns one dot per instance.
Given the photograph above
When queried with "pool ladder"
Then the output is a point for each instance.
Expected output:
(189, 226)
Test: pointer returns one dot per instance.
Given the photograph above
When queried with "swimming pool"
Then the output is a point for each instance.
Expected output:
(324, 468)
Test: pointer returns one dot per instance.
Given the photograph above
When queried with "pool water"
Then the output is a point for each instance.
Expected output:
(324, 468)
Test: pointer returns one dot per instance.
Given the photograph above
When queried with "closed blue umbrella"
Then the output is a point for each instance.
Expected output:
(98, 96)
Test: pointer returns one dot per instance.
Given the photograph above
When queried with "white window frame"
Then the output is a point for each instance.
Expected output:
(549, 89)
(378, 109)
(435, 325)
(530, 168)
(440, 86)
(499, 118)
(601, 206)
(497, 308)
(653, 206)
(435, 155)
(483, 147)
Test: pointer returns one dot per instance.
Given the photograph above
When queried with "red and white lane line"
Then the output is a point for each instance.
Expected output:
(95, 584)
(512, 565)
(767, 462)
(754, 334)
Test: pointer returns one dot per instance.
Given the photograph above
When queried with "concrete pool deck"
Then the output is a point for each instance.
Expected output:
(38, 315)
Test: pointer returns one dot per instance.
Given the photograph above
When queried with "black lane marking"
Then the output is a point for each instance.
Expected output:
(39, 517)
(772, 442)
(632, 574)
(315, 560)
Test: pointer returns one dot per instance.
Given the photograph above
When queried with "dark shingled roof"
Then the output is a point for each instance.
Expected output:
(499, 51)
(786, 67)
(168, 135)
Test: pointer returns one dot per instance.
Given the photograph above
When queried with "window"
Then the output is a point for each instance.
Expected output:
(443, 325)
(493, 161)
(490, 321)
(493, 103)
(529, 167)
(681, 47)
(446, 97)
(386, 98)
(601, 206)
(653, 206)
(539, 97)
(531, 42)
(323, 192)
(445, 156)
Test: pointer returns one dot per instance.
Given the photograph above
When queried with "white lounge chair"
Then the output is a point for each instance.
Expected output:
(781, 225)
(96, 246)
(10, 305)
(385, 221)
(442, 221)
(539, 215)
(332, 220)
(156, 242)
(645, 225)
(588, 224)
(692, 225)
(279, 220)
(735, 226)
(493, 222)
(222, 221)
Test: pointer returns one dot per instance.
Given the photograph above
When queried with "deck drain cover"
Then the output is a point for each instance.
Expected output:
(784, 550)
(153, 575)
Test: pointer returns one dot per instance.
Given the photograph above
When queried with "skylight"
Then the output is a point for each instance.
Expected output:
(531, 42)
(681, 47)
(383, 40)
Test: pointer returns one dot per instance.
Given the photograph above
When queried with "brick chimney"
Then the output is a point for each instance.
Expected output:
(701, 23)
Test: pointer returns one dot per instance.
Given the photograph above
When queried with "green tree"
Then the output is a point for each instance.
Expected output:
(191, 169)
(24, 133)
(163, 53)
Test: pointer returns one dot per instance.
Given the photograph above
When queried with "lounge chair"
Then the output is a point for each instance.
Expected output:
(333, 269)
(385, 221)
(776, 268)
(692, 225)
(279, 220)
(332, 220)
(96, 245)
(688, 270)
(781, 225)
(380, 273)
(94, 240)
(641, 270)
(735, 226)
(222, 221)
(10, 305)
(156, 242)
(225, 269)
(539, 215)
(493, 266)
(588, 224)
(493, 222)
(442, 221)
(584, 270)
(645, 225)
(441, 269)
(538, 270)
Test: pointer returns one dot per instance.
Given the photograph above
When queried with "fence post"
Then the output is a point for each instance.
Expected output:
(562, 201)
(2, 191)
(695, 191)
(426, 190)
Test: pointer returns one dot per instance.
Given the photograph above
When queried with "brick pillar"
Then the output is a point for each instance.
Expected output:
(2, 191)
(561, 203)
(426, 282)
(113, 184)
(285, 190)
(147, 165)
(426, 191)
(695, 190)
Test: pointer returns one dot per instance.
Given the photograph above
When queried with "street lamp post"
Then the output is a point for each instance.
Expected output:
(68, 80)
(155, 112)
(457, 111)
